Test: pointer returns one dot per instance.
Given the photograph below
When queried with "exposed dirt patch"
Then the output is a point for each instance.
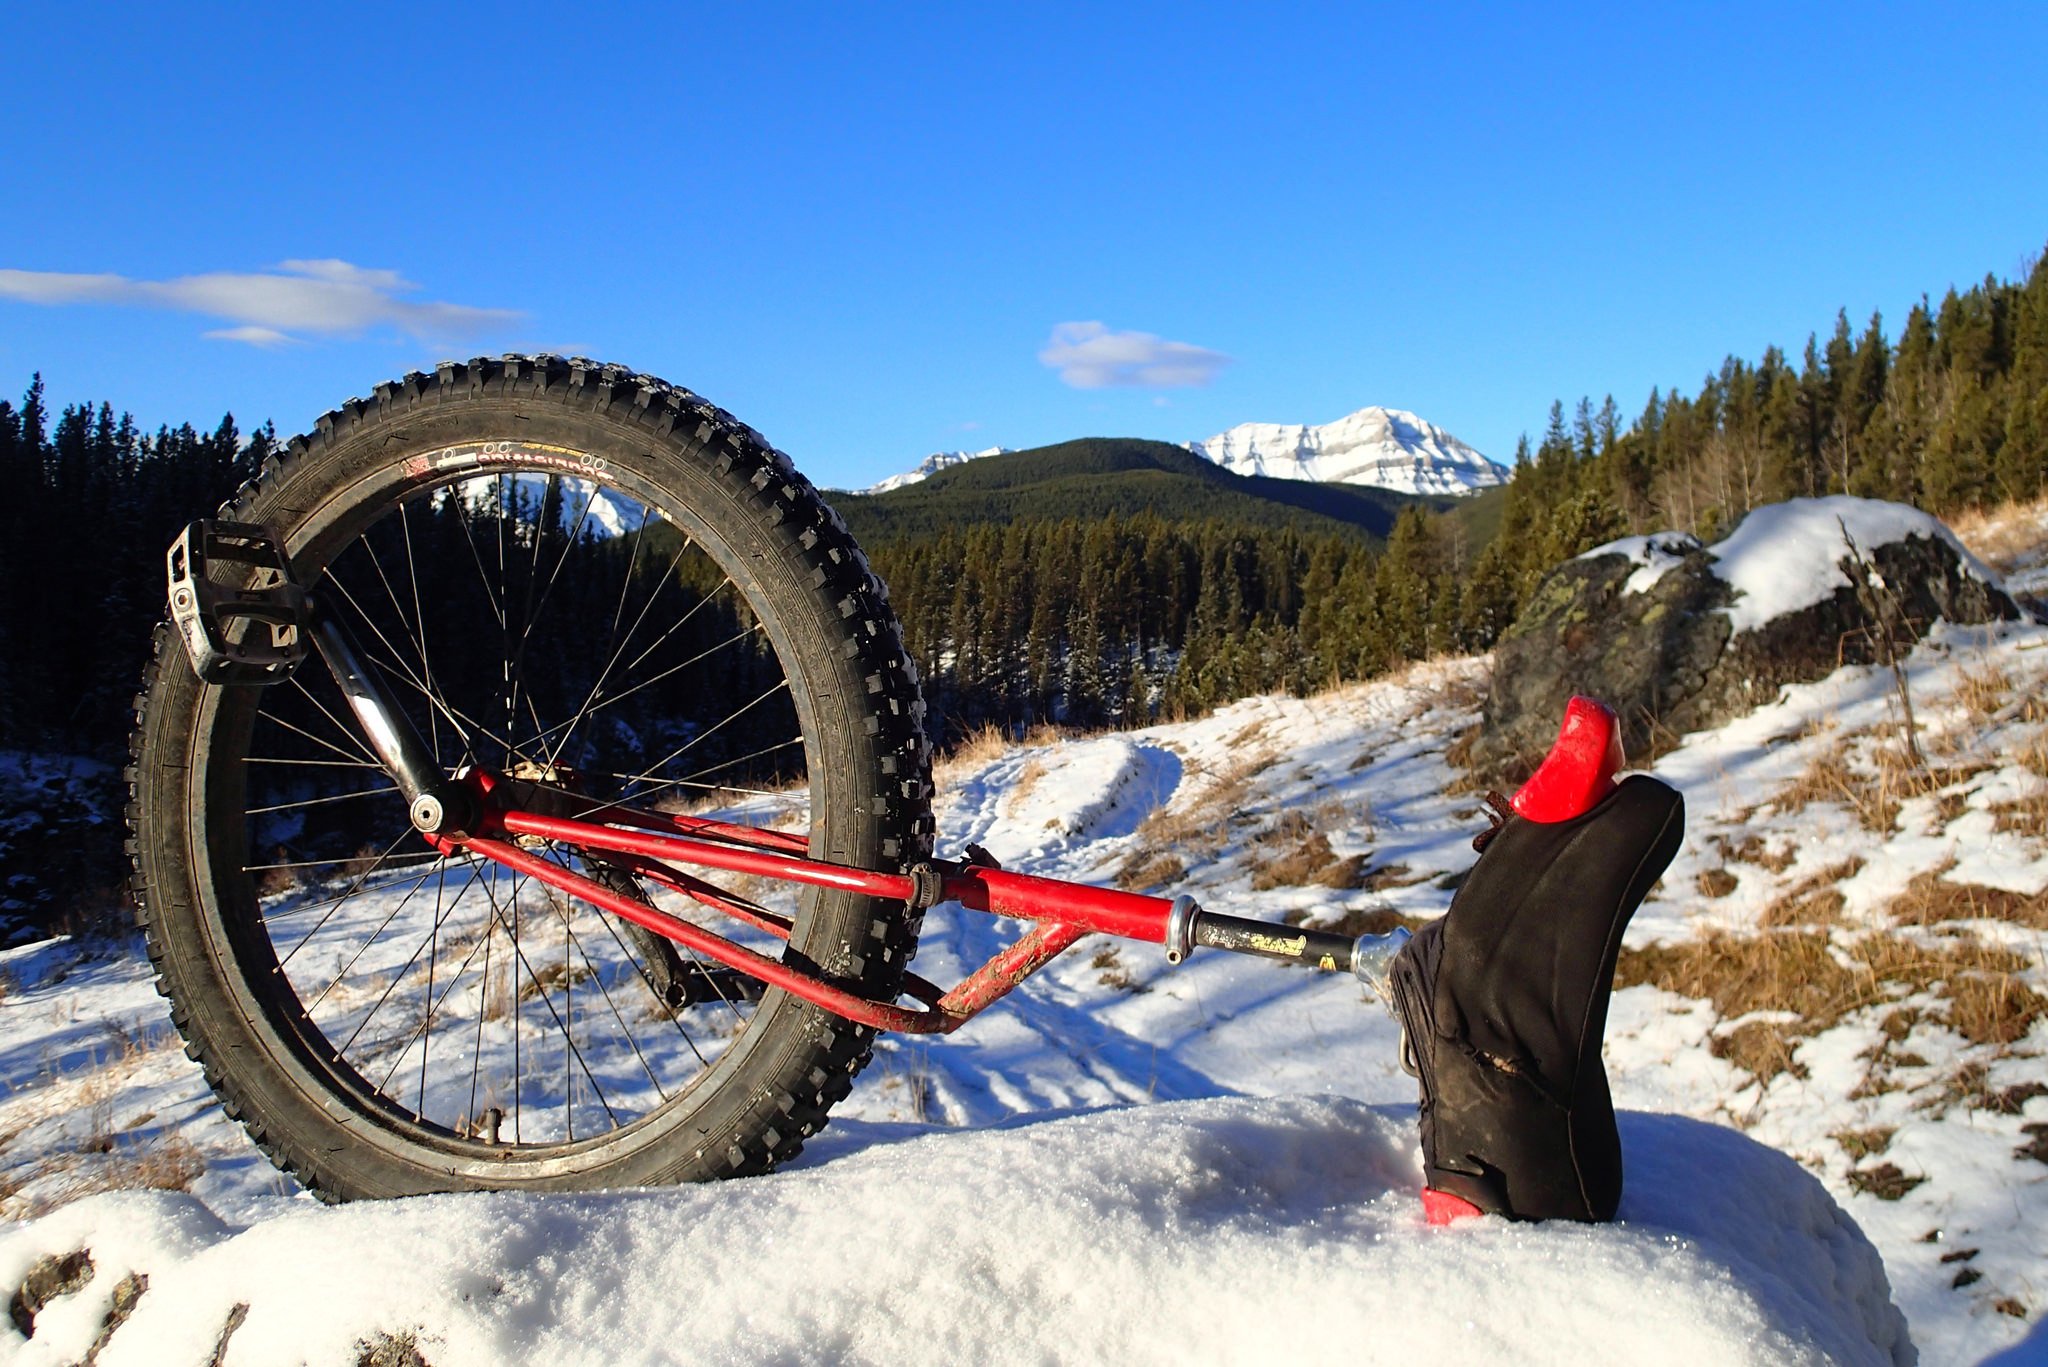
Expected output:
(1885, 1181)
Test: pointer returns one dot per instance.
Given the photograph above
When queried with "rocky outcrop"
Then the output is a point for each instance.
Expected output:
(1677, 637)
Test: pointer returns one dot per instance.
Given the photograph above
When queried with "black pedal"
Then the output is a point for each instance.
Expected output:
(243, 617)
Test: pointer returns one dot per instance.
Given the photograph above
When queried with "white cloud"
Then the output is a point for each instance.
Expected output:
(1090, 356)
(254, 336)
(325, 298)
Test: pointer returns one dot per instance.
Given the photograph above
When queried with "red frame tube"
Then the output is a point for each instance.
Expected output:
(643, 843)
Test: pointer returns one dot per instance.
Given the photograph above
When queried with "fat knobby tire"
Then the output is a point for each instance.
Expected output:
(855, 690)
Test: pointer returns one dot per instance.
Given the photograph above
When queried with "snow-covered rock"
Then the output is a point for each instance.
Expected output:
(1678, 637)
(1384, 447)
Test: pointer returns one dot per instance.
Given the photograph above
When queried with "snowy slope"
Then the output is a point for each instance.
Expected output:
(1384, 447)
(1127, 1161)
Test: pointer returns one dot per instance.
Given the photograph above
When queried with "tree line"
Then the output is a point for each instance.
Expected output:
(1952, 414)
(88, 504)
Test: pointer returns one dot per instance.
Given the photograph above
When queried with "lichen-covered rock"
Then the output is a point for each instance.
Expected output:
(1676, 637)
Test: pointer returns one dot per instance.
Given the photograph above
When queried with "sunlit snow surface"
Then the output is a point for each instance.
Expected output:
(1130, 1162)
(1231, 1230)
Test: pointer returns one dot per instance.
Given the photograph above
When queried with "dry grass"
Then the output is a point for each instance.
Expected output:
(1716, 883)
(1294, 852)
(1862, 1144)
(1889, 779)
(2005, 535)
(1754, 850)
(1932, 899)
(1885, 1181)
(1172, 836)
(1981, 693)
(166, 1162)
(2027, 816)
(1801, 982)
(1816, 901)
(1149, 869)
(977, 749)
(1112, 972)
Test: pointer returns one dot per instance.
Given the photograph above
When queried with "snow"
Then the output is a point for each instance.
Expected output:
(1787, 556)
(1226, 1230)
(1654, 556)
(1384, 447)
(1215, 1162)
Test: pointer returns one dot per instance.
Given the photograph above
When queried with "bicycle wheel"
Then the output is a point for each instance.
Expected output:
(602, 585)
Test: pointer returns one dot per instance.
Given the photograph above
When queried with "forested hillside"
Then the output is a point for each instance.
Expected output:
(88, 504)
(1097, 477)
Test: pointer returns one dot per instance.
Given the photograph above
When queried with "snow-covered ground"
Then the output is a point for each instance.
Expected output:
(1132, 1162)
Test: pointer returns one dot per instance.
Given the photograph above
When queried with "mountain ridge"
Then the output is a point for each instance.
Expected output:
(1383, 448)
(1375, 447)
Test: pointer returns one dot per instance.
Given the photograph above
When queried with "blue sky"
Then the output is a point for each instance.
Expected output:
(867, 229)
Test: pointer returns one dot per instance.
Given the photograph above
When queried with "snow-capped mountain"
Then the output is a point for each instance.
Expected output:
(931, 465)
(1385, 447)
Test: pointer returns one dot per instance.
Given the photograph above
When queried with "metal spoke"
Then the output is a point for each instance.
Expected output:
(320, 801)
(617, 698)
(700, 738)
(534, 978)
(596, 689)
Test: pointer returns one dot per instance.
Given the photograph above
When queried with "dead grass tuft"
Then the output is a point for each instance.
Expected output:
(1754, 850)
(1875, 797)
(1716, 883)
(1816, 901)
(1862, 1144)
(1981, 693)
(2027, 816)
(1761, 1048)
(976, 749)
(2011, 1100)
(2005, 535)
(1885, 1181)
(1356, 921)
(1112, 971)
(1149, 869)
(1932, 899)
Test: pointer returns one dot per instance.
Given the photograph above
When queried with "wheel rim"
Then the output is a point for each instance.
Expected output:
(564, 628)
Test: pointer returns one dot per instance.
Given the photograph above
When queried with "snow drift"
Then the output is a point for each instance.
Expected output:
(1226, 1230)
